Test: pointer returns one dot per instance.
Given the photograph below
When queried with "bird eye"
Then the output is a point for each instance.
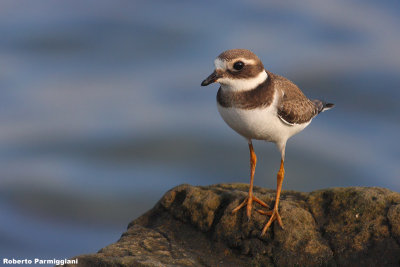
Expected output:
(238, 65)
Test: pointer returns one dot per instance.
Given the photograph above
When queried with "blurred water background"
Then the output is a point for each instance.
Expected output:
(101, 109)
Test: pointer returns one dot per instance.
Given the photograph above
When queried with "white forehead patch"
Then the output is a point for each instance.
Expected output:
(220, 64)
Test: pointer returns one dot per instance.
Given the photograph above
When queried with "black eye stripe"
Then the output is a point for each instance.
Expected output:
(238, 65)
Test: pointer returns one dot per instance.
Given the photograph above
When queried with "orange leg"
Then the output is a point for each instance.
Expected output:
(250, 198)
(274, 213)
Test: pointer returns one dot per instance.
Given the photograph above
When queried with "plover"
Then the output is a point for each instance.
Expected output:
(260, 105)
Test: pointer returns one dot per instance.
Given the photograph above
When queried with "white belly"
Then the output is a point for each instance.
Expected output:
(260, 124)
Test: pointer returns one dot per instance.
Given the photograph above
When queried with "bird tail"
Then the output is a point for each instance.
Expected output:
(322, 105)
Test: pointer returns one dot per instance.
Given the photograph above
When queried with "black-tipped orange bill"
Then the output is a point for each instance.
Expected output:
(210, 79)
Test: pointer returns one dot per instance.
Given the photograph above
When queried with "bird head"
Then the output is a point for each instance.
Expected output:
(237, 70)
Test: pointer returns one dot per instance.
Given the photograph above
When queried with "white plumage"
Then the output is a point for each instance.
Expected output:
(261, 123)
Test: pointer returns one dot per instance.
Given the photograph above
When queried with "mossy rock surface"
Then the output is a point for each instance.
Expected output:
(194, 226)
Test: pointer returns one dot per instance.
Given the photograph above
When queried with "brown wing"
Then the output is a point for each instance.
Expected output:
(294, 107)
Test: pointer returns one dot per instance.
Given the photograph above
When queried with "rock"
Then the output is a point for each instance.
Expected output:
(193, 226)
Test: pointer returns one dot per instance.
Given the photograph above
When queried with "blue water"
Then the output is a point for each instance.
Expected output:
(101, 109)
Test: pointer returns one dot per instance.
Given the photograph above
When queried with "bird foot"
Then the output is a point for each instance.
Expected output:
(249, 201)
(274, 216)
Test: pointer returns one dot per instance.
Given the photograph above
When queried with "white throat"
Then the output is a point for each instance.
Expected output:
(243, 84)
